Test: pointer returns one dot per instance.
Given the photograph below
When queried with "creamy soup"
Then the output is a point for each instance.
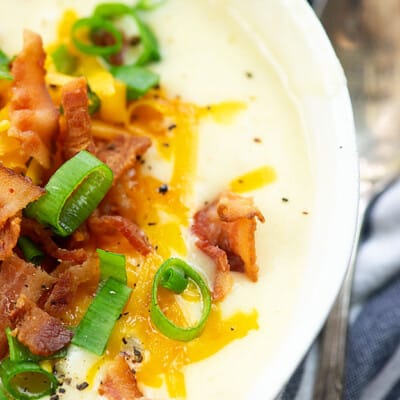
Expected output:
(210, 58)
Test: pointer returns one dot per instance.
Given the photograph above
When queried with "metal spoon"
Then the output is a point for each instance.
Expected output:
(365, 34)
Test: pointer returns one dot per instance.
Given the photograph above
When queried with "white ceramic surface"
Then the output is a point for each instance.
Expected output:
(320, 87)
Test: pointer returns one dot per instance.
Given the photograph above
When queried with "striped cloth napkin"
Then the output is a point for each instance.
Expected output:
(372, 370)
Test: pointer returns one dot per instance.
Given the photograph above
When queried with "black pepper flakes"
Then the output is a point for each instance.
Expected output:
(151, 223)
(138, 355)
(165, 144)
(134, 40)
(232, 329)
(257, 140)
(82, 386)
(163, 189)
(249, 74)
(61, 390)
(285, 199)
(305, 212)
(172, 127)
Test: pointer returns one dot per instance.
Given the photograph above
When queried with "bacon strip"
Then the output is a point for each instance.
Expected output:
(43, 236)
(74, 99)
(19, 277)
(34, 118)
(122, 152)
(40, 332)
(119, 382)
(65, 289)
(102, 225)
(225, 230)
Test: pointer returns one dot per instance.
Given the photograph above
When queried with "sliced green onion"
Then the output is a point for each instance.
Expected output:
(174, 278)
(94, 101)
(150, 48)
(64, 61)
(92, 23)
(31, 252)
(137, 79)
(112, 265)
(95, 329)
(148, 4)
(159, 319)
(26, 380)
(149, 41)
(4, 67)
(3, 395)
(72, 193)
(19, 352)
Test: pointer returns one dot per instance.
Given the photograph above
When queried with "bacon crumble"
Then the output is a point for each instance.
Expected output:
(225, 230)
(74, 99)
(41, 333)
(119, 382)
(34, 117)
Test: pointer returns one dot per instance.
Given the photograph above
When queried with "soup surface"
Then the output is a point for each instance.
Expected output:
(250, 138)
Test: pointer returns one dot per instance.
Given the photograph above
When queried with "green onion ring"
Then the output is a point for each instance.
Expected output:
(159, 319)
(11, 372)
(174, 279)
(92, 49)
(31, 252)
(72, 193)
(148, 40)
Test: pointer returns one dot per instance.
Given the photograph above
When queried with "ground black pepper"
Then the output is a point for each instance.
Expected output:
(82, 386)
(163, 189)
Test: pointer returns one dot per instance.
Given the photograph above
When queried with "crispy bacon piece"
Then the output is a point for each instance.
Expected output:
(122, 152)
(65, 289)
(225, 230)
(222, 285)
(40, 332)
(16, 192)
(34, 117)
(232, 207)
(103, 224)
(9, 235)
(43, 236)
(19, 277)
(119, 382)
(74, 99)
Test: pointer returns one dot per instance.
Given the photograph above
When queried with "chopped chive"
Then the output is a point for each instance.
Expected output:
(112, 265)
(95, 329)
(138, 80)
(64, 61)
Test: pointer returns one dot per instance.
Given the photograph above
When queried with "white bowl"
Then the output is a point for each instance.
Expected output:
(289, 36)
(310, 65)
